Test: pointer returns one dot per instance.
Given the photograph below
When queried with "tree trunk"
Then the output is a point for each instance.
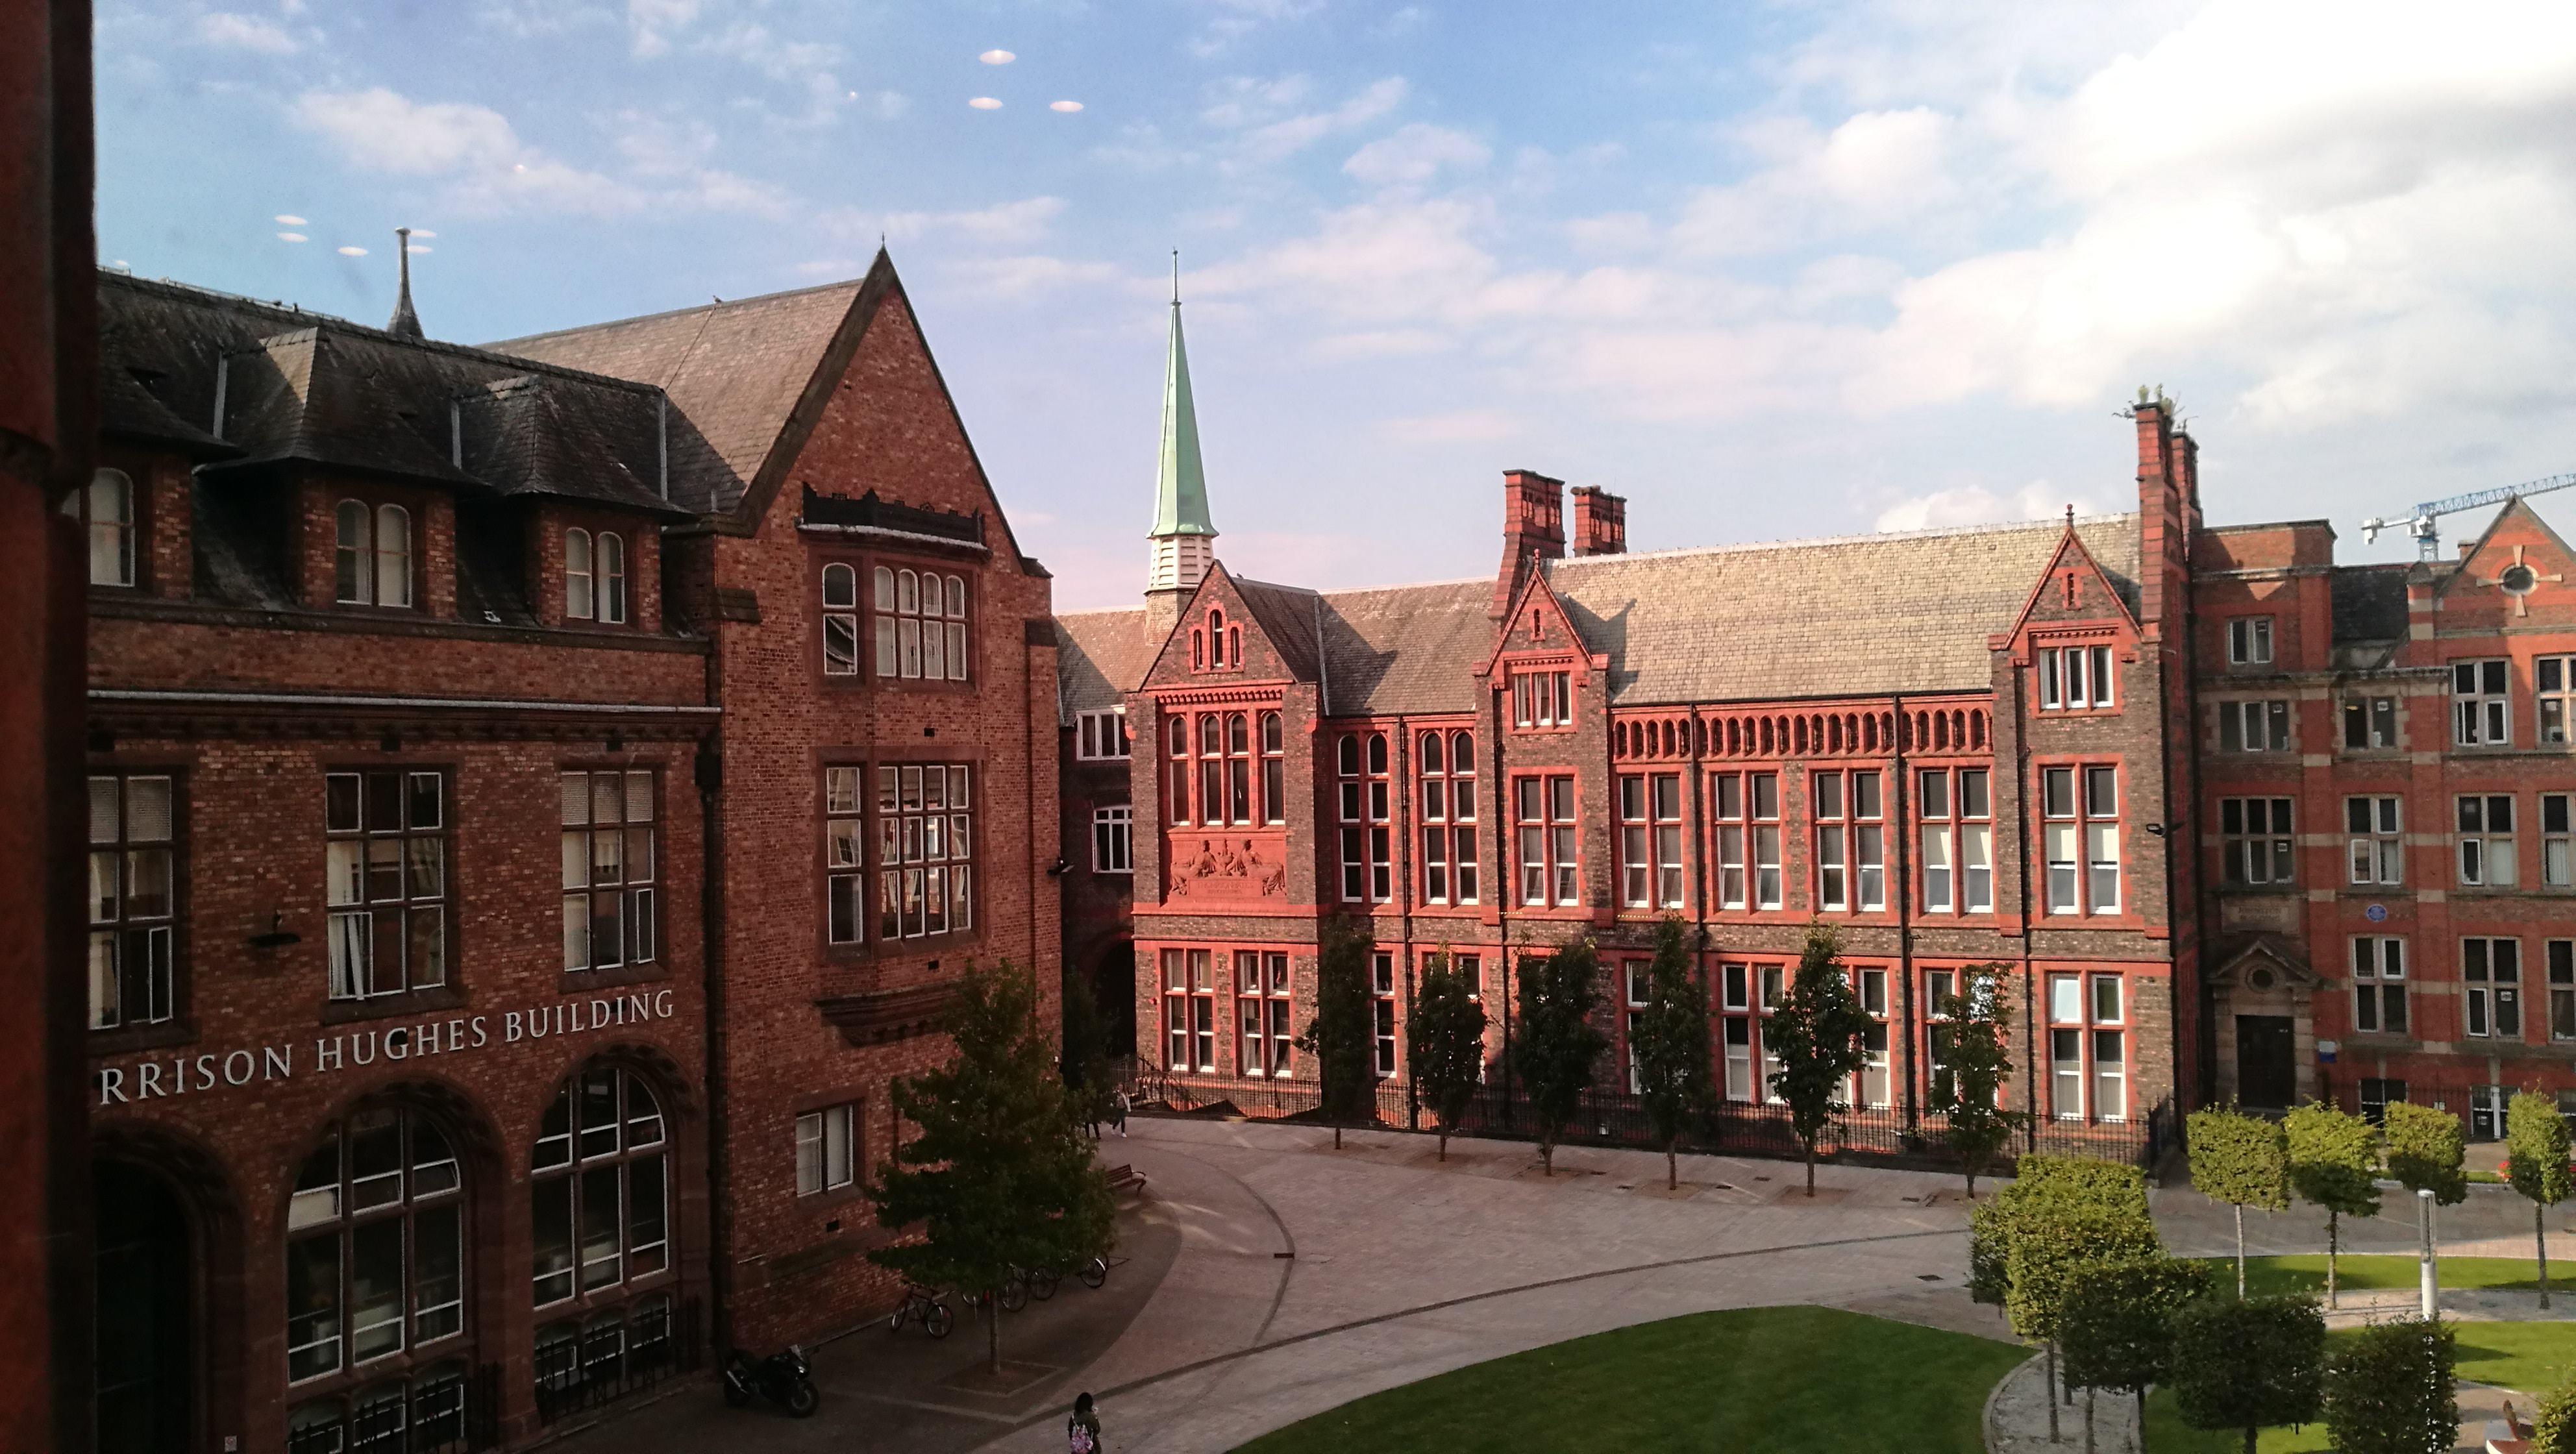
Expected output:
(1672, 1169)
(2540, 1238)
(993, 1338)
(2088, 1421)
(1972, 1182)
(2240, 1252)
(2334, 1242)
(2052, 1390)
(2141, 1392)
(1444, 1142)
(1811, 1168)
(1547, 1158)
(2249, 1439)
(1337, 1135)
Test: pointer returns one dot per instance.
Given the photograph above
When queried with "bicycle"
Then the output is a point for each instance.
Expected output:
(927, 1306)
(1093, 1273)
(1040, 1282)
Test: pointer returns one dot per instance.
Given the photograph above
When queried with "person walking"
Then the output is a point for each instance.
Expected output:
(1118, 1112)
(1082, 1431)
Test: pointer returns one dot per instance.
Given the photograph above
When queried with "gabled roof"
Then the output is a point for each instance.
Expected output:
(2071, 553)
(1853, 616)
(526, 437)
(1406, 648)
(1288, 616)
(734, 372)
(1100, 657)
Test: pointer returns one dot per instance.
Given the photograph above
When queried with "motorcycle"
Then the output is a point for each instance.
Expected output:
(786, 1379)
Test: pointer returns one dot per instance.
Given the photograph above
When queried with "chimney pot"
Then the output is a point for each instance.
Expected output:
(1533, 526)
(1600, 521)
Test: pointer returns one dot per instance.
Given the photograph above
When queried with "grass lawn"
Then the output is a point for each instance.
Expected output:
(2265, 1276)
(2531, 1357)
(1795, 1378)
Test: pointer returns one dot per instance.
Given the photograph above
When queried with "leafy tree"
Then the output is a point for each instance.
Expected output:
(1447, 1045)
(2426, 1152)
(2248, 1363)
(998, 1176)
(1820, 1036)
(2059, 1215)
(1558, 1045)
(2553, 1425)
(2334, 1164)
(2116, 1324)
(1669, 1038)
(1342, 1035)
(2536, 1150)
(1087, 1078)
(2388, 1389)
(1976, 1067)
(2241, 1160)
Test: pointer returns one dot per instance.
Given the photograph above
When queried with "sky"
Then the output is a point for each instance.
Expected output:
(1769, 270)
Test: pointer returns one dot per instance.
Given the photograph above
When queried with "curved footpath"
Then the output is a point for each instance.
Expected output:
(1404, 1268)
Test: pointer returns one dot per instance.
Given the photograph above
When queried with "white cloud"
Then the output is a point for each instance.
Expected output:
(1003, 223)
(289, 219)
(1253, 109)
(1067, 107)
(229, 31)
(293, 237)
(1019, 277)
(651, 24)
(353, 252)
(1980, 505)
(1229, 22)
(384, 131)
(997, 57)
(985, 103)
(1414, 154)
(1876, 169)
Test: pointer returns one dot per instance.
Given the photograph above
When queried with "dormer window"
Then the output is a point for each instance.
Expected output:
(372, 556)
(106, 513)
(594, 577)
(921, 625)
(1542, 699)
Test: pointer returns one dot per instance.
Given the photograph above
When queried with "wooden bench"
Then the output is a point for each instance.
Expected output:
(1126, 1178)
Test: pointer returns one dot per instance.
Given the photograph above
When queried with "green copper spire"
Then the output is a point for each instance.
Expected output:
(1180, 482)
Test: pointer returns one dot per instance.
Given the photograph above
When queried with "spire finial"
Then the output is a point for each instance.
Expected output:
(405, 322)
(2070, 514)
(1176, 277)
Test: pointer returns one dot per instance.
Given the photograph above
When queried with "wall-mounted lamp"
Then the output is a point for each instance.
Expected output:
(277, 936)
(1059, 868)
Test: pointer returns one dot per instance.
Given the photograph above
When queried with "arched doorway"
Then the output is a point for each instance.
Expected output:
(1113, 988)
(146, 1318)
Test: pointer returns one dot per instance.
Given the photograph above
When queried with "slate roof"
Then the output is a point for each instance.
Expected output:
(1100, 657)
(733, 371)
(2370, 603)
(308, 387)
(1852, 616)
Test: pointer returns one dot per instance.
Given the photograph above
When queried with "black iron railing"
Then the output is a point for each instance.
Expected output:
(608, 1358)
(1883, 1135)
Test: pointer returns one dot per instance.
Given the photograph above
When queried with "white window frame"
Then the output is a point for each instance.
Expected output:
(2491, 987)
(1101, 736)
(2249, 641)
(2557, 862)
(840, 618)
(2261, 724)
(2075, 678)
(2379, 981)
(826, 1149)
(2375, 717)
(2482, 702)
(2553, 690)
(2252, 857)
(2485, 856)
(1113, 840)
(2375, 839)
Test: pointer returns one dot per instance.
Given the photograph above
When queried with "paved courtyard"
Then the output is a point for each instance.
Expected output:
(1272, 1277)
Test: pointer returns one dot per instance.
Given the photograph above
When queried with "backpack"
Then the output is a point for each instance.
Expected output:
(1077, 1438)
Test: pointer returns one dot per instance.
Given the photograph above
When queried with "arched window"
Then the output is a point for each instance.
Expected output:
(840, 621)
(599, 1188)
(1234, 646)
(354, 560)
(612, 579)
(579, 593)
(1198, 649)
(920, 625)
(106, 513)
(393, 556)
(1274, 771)
(375, 1251)
(1216, 637)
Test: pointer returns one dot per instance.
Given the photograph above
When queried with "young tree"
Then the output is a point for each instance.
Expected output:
(2334, 1164)
(1086, 1053)
(2536, 1149)
(998, 1176)
(2116, 1325)
(2059, 1213)
(2388, 1389)
(1820, 1036)
(2241, 1160)
(2426, 1152)
(1669, 1038)
(2248, 1363)
(1447, 1044)
(1557, 1045)
(1340, 1037)
(1975, 1069)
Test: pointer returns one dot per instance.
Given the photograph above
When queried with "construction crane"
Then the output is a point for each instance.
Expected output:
(2428, 537)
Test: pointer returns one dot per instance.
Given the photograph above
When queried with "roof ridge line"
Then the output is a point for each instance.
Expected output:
(495, 345)
(1997, 527)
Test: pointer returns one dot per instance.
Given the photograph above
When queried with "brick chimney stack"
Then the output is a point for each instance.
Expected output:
(2161, 513)
(1533, 527)
(1600, 521)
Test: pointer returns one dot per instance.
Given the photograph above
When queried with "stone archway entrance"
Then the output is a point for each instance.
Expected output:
(147, 1330)
(2266, 1033)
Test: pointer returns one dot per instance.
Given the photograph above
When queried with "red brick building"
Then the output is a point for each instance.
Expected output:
(539, 795)
(1959, 746)
(2384, 753)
